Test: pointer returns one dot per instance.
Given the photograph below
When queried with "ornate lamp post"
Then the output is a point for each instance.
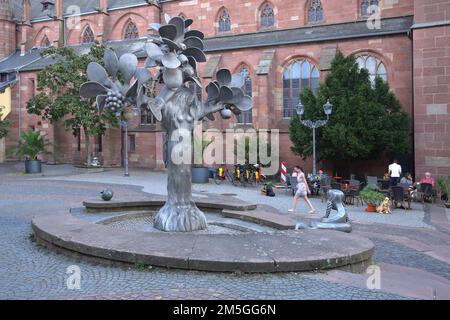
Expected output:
(300, 109)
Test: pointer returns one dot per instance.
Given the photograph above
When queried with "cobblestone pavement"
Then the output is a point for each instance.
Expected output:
(28, 271)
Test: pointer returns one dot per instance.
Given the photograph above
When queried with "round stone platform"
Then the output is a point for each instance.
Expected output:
(280, 251)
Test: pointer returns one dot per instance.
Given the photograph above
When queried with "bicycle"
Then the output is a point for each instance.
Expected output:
(222, 174)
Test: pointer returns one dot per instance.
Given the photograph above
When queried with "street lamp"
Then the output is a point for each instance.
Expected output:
(300, 109)
(123, 120)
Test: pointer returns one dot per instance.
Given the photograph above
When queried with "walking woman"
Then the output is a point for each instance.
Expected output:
(302, 190)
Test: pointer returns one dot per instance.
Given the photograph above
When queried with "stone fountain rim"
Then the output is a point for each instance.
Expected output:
(284, 251)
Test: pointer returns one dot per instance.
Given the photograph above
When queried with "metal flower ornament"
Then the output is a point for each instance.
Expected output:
(174, 54)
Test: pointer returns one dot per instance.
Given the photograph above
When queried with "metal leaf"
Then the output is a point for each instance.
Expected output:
(238, 95)
(237, 81)
(188, 71)
(97, 73)
(225, 94)
(143, 75)
(127, 66)
(224, 77)
(178, 22)
(173, 78)
(196, 53)
(150, 63)
(167, 17)
(213, 91)
(245, 104)
(168, 31)
(196, 80)
(235, 110)
(194, 33)
(171, 61)
(111, 62)
(153, 50)
(193, 63)
(188, 22)
(173, 46)
(101, 101)
(194, 42)
(132, 91)
(155, 106)
(92, 89)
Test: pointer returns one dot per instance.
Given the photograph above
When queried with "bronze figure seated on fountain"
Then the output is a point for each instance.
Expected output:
(336, 217)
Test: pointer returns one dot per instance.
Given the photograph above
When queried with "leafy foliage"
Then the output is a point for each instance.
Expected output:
(32, 145)
(59, 92)
(371, 195)
(3, 125)
(366, 120)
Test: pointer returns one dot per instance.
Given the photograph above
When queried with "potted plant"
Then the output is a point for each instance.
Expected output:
(32, 145)
(200, 173)
(372, 197)
(444, 188)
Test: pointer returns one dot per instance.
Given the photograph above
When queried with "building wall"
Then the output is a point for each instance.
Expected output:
(396, 52)
(7, 29)
(432, 88)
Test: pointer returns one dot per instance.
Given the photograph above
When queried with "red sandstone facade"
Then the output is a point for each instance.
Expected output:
(417, 63)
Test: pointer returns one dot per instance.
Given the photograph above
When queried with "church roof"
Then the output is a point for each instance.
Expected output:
(84, 5)
(350, 30)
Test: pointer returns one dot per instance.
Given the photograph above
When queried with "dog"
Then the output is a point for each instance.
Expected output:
(385, 206)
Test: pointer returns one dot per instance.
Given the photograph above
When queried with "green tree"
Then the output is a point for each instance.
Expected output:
(59, 94)
(367, 120)
(3, 125)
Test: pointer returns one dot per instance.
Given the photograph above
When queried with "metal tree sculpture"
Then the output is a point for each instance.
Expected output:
(175, 53)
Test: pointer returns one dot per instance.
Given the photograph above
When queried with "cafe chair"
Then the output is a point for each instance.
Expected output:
(399, 196)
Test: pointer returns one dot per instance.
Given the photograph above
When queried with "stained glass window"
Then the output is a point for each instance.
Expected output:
(246, 117)
(131, 31)
(315, 12)
(368, 7)
(45, 43)
(374, 65)
(267, 17)
(224, 21)
(88, 35)
(298, 76)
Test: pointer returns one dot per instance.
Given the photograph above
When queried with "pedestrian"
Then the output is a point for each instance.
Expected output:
(302, 190)
(395, 171)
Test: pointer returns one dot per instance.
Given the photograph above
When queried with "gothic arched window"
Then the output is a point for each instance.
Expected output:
(298, 76)
(131, 31)
(374, 65)
(246, 117)
(315, 11)
(267, 17)
(367, 7)
(88, 35)
(45, 43)
(224, 21)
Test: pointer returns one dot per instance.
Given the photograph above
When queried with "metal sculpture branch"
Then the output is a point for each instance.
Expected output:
(174, 53)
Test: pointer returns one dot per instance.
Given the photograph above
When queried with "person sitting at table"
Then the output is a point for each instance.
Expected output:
(428, 179)
(407, 183)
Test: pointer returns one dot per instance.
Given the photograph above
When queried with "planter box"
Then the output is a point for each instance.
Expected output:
(371, 208)
(33, 166)
(200, 175)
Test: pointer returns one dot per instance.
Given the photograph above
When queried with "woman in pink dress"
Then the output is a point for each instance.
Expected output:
(302, 190)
